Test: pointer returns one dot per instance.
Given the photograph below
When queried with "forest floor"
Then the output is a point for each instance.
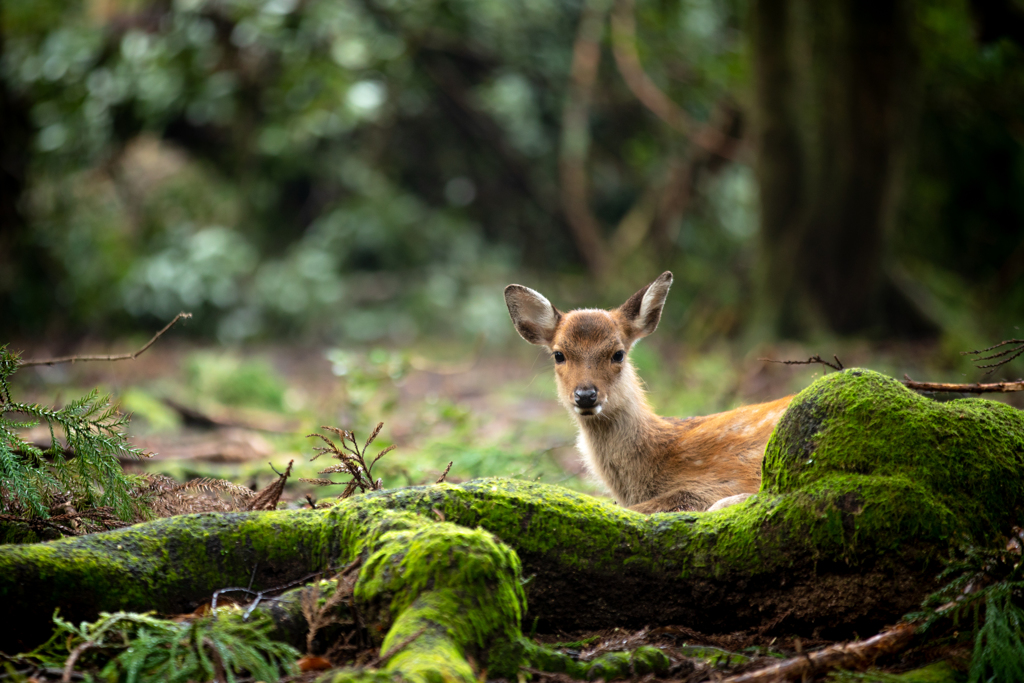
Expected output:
(204, 411)
(242, 414)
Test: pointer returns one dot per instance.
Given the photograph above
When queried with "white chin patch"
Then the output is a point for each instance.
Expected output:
(589, 412)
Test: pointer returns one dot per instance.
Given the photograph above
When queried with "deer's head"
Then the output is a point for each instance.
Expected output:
(590, 346)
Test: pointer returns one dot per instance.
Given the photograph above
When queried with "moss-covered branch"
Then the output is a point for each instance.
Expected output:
(866, 486)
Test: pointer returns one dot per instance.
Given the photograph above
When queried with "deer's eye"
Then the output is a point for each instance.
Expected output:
(559, 357)
(618, 356)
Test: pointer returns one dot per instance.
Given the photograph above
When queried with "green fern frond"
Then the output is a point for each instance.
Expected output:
(22, 482)
(999, 642)
(141, 648)
(986, 586)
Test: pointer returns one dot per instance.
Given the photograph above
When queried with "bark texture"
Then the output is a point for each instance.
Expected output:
(864, 491)
(834, 104)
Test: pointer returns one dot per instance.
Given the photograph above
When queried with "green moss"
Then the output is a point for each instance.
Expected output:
(860, 422)
(441, 593)
(169, 565)
(608, 666)
(939, 672)
(649, 660)
(863, 491)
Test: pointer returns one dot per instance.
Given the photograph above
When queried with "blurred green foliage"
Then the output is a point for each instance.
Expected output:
(375, 170)
(233, 382)
(962, 234)
(357, 170)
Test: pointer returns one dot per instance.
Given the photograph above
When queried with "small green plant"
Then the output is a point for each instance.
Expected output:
(132, 647)
(81, 480)
(987, 587)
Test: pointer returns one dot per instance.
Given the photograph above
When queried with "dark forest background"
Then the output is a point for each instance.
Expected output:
(375, 171)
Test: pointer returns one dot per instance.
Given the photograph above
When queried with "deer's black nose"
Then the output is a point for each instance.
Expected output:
(585, 397)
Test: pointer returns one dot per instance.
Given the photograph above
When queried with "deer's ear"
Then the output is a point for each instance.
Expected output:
(642, 311)
(533, 315)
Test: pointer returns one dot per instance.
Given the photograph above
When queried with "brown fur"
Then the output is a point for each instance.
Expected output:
(649, 463)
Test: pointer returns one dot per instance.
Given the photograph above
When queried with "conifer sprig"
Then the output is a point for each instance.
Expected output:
(139, 648)
(985, 589)
(84, 473)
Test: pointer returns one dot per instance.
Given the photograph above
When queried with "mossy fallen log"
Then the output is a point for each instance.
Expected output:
(866, 486)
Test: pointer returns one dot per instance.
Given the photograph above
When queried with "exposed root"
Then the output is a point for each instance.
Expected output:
(856, 656)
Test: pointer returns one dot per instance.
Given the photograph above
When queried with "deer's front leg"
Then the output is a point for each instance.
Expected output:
(673, 501)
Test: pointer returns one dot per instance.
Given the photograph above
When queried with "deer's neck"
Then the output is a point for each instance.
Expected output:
(619, 445)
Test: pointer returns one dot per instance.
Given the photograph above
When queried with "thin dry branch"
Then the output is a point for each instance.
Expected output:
(1007, 355)
(858, 656)
(838, 365)
(627, 59)
(69, 664)
(259, 595)
(575, 143)
(445, 473)
(976, 388)
(123, 356)
(385, 656)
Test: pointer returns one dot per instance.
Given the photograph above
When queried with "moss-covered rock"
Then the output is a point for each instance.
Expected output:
(961, 461)
(866, 485)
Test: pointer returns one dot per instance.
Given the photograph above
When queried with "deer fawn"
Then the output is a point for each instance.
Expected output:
(650, 463)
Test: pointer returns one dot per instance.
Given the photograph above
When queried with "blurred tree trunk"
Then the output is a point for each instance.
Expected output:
(834, 106)
(18, 261)
(23, 263)
(12, 172)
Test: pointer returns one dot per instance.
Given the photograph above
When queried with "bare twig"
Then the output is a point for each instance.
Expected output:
(259, 595)
(976, 388)
(842, 655)
(575, 143)
(445, 473)
(69, 664)
(838, 365)
(92, 641)
(384, 657)
(1007, 355)
(123, 356)
(627, 59)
